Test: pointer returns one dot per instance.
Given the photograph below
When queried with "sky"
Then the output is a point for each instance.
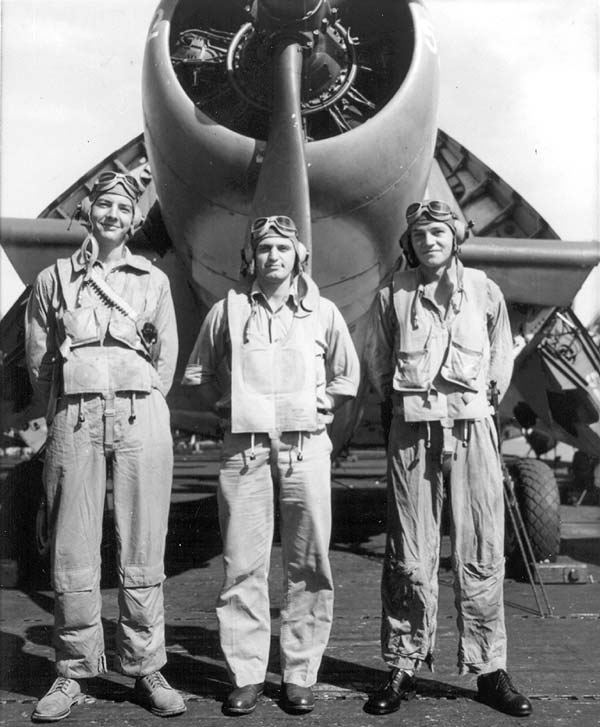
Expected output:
(520, 87)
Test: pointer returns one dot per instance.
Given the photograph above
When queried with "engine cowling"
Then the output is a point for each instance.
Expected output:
(368, 100)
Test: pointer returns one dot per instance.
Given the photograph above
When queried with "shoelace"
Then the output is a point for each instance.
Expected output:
(156, 680)
(503, 682)
(397, 678)
(61, 684)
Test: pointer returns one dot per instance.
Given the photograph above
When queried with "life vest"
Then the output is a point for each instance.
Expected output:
(89, 367)
(273, 385)
(441, 368)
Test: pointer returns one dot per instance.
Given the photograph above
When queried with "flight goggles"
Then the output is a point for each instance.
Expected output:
(108, 180)
(434, 208)
(280, 223)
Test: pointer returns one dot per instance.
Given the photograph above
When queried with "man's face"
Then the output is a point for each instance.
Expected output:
(275, 258)
(111, 216)
(433, 243)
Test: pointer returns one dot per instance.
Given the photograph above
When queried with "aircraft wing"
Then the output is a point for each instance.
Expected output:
(513, 244)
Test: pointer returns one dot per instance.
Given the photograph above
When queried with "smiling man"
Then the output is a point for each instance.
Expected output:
(440, 337)
(101, 350)
(274, 360)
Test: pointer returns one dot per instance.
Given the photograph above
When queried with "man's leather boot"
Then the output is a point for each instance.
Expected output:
(297, 699)
(242, 700)
(497, 690)
(389, 696)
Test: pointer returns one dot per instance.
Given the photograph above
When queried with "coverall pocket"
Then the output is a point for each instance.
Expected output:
(413, 370)
(75, 580)
(463, 365)
(477, 573)
(403, 578)
(81, 325)
(142, 576)
(123, 329)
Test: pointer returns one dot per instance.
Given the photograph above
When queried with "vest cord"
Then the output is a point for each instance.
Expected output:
(300, 453)
(132, 415)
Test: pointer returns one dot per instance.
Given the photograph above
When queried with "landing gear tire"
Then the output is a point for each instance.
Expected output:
(538, 498)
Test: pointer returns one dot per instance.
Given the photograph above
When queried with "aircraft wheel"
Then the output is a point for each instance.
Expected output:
(538, 498)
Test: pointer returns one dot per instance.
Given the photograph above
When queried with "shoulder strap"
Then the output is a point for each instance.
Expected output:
(478, 284)
(68, 292)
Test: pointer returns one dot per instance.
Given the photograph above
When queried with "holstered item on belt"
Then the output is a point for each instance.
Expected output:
(109, 425)
(148, 334)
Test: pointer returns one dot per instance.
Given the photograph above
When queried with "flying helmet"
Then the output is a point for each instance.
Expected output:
(279, 225)
(436, 211)
(124, 184)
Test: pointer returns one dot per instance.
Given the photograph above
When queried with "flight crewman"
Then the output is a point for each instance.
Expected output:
(440, 337)
(274, 360)
(101, 345)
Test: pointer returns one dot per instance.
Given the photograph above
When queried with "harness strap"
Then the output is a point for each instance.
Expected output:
(109, 425)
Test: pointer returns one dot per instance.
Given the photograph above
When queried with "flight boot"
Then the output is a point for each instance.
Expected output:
(57, 702)
(156, 694)
(400, 685)
(497, 690)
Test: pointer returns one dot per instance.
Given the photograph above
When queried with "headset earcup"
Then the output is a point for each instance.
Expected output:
(137, 217)
(302, 253)
(83, 210)
(403, 241)
(248, 253)
(462, 231)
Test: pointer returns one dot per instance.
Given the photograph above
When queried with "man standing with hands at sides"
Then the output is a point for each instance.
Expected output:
(274, 360)
(440, 338)
(101, 348)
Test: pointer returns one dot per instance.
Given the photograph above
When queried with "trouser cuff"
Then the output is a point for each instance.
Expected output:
(142, 667)
(81, 669)
(484, 667)
(404, 662)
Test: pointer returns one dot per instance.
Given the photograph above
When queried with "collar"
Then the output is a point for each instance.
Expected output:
(304, 294)
(129, 259)
(293, 298)
(456, 297)
(422, 284)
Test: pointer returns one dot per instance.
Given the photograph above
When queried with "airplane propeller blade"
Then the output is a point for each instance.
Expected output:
(284, 157)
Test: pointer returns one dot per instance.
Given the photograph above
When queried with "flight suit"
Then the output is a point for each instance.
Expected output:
(109, 405)
(436, 366)
(275, 397)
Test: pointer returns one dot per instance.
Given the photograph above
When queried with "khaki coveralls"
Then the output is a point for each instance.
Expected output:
(110, 405)
(436, 367)
(276, 385)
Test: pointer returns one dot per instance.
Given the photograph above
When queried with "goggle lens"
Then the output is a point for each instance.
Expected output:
(437, 209)
(281, 223)
(108, 180)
